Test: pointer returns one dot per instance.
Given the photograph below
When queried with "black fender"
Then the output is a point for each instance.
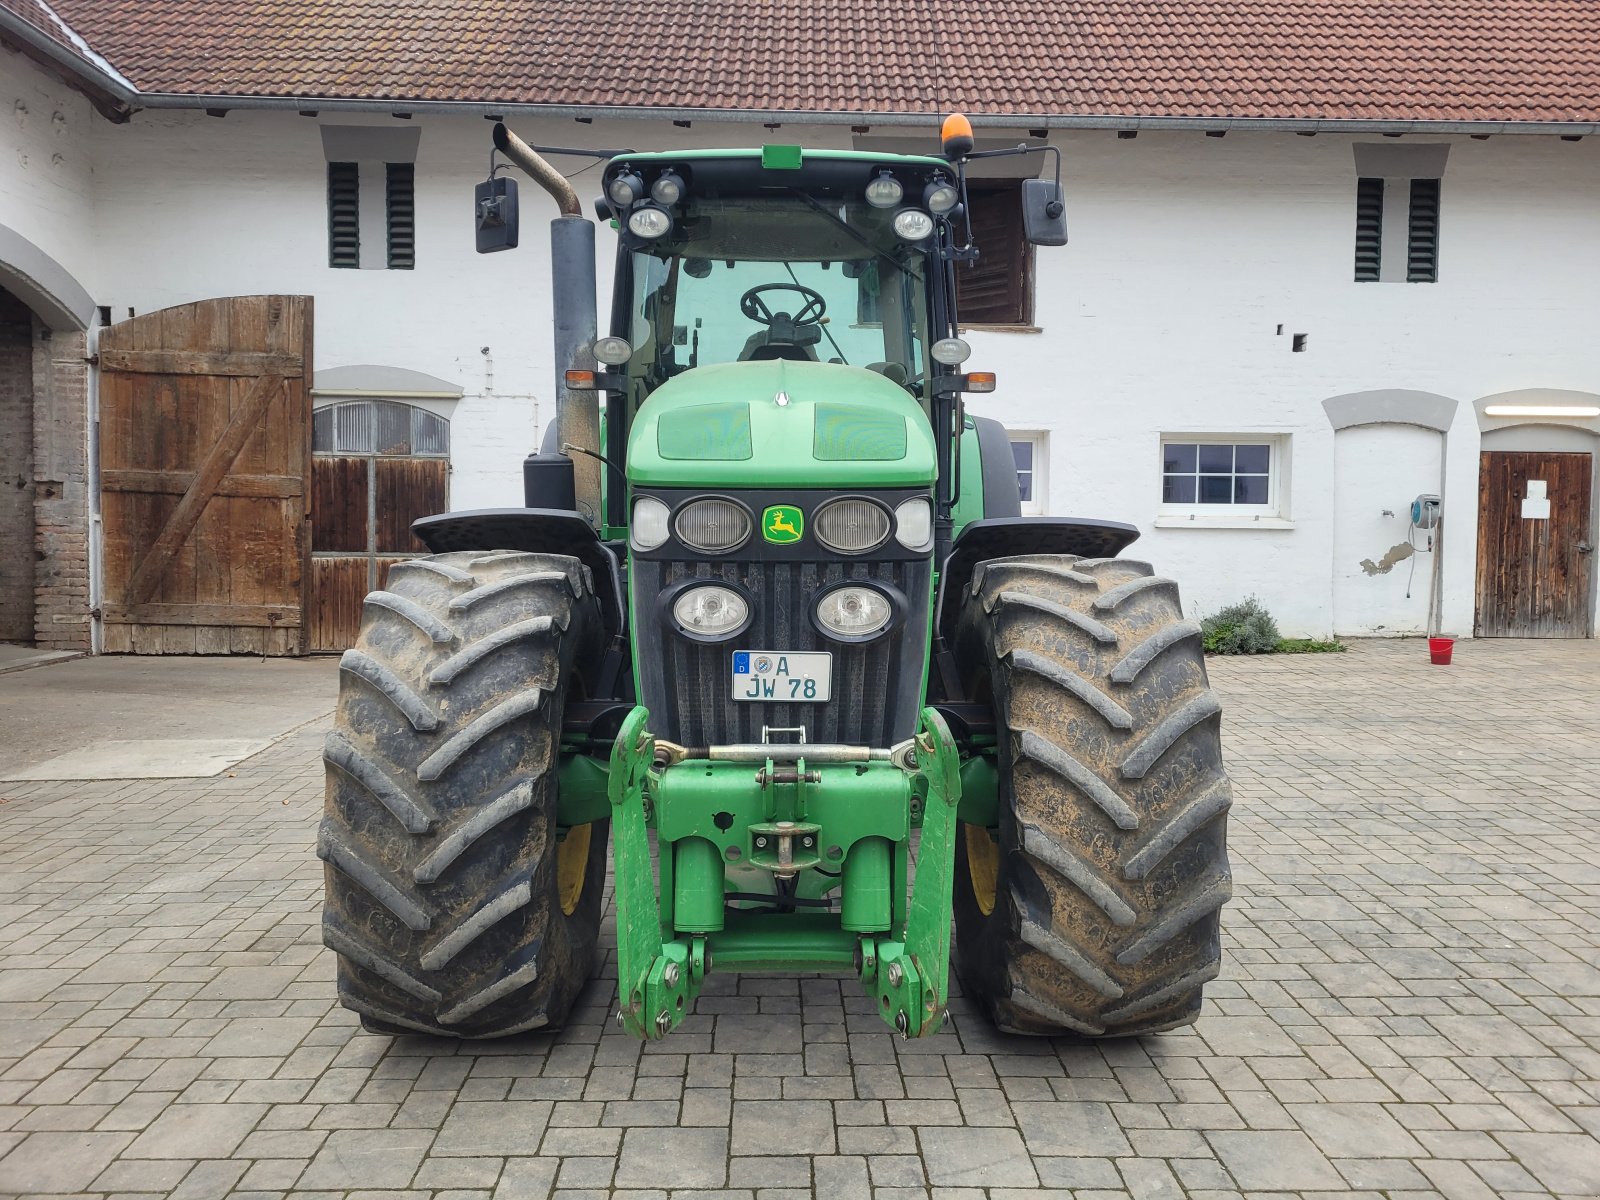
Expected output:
(541, 530)
(998, 467)
(1002, 537)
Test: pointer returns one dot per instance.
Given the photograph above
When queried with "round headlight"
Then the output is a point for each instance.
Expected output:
(851, 526)
(614, 351)
(649, 526)
(913, 523)
(913, 224)
(950, 351)
(940, 196)
(668, 189)
(710, 612)
(714, 526)
(625, 189)
(854, 612)
(885, 191)
(649, 222)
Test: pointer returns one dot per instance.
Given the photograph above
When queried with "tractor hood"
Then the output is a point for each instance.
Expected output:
(780, 424)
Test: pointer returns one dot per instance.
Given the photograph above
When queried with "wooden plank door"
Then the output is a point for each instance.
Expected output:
(364, 506)
(205, 448)
(1534, 573)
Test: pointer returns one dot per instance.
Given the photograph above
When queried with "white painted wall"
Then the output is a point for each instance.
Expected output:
(47, 186)
(1382, 568)
(1161, 316)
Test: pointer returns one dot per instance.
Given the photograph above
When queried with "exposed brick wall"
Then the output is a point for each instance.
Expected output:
(61, 492)
(16, 470)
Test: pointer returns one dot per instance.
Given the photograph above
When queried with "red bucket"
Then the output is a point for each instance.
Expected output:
(1439, 649)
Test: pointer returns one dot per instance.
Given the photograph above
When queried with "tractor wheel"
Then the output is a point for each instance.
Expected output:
(454, 903)
(1093, 908)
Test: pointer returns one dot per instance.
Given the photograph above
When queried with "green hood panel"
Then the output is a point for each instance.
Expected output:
(722, 426)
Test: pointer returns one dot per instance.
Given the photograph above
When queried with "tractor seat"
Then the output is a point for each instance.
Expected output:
(784, 350)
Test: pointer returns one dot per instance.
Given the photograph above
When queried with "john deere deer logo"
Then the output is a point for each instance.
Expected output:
(782, 524)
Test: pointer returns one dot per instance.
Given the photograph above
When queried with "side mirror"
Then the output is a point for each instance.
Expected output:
(1044, 213)
(495, 214)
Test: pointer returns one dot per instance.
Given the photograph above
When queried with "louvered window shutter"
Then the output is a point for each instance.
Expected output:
(1369, 230)
(1422, 232)
(402, 216)
(997, 289)
(344, 215)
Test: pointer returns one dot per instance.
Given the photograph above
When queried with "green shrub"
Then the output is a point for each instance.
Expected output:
(1310, 646)
(1245, 628)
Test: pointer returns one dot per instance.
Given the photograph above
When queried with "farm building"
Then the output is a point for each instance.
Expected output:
(1323, 262)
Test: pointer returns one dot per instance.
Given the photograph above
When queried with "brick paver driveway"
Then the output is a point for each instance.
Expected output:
(1410, 1006)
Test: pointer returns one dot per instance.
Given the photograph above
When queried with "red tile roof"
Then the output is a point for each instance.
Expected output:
(1386, 60)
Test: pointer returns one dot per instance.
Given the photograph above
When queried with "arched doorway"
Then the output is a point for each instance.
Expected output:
(45, 316)
(1537, 494)
(1388, 449)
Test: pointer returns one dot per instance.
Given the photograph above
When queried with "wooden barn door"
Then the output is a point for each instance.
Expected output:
(1534, 564)
(205, 448)
(378, 466)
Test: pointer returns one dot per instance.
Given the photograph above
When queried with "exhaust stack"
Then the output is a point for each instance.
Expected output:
(573, 301)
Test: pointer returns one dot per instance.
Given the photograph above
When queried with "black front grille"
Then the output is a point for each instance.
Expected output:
(687, 686)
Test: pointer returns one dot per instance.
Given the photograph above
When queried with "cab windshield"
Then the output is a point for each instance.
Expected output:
(780, 278)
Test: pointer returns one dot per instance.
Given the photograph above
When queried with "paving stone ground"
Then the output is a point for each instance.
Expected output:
(1410, 1005)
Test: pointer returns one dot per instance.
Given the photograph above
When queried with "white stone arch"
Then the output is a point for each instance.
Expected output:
(43, 284)
(1390, 406)
(1548, 399)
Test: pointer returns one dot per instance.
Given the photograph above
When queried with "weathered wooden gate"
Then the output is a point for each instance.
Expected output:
(1534, 571)
(205, 449)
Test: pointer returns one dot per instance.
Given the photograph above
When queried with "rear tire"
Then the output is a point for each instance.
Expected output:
(454, 904)
(1093, 909)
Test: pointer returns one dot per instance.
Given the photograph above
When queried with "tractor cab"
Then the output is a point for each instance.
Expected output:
(725, 258)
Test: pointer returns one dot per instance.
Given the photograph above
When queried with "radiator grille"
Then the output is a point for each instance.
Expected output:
(876, 687)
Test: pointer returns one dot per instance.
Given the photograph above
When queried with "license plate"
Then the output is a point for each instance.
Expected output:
(782, 675)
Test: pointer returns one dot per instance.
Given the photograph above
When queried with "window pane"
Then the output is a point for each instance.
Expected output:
(1216, 458)
(1023, 453)
(1025, 486)
(352, 428)
(1250, 489)
(1252, 460)
(430, 434)
(394, 428)
(1216, 489)
(1177, 457)
(322, 431)
(1177, 489)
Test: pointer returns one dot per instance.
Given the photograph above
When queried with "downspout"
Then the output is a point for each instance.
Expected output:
(573, 299)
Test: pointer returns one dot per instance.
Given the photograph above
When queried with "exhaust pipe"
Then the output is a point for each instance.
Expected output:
(573, 300)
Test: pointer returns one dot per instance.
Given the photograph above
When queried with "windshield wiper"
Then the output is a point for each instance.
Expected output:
(810, 202)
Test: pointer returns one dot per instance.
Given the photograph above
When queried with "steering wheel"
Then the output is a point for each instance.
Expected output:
(753, 306)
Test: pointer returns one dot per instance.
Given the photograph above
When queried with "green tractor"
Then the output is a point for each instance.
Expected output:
(771, 622)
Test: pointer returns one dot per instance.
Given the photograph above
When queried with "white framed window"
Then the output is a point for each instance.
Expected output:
(1030, 450)
(1224, 480)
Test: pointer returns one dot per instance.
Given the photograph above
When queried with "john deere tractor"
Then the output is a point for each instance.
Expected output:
(770, 622)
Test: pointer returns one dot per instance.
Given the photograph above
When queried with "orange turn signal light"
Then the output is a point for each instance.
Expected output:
(980, 381)
(956, 136)
(580, 381)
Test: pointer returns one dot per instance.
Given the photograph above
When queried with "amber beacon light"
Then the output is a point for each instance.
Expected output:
(956, 136)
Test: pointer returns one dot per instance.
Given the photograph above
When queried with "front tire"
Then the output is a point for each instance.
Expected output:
(455, 904)
(1093, 908)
